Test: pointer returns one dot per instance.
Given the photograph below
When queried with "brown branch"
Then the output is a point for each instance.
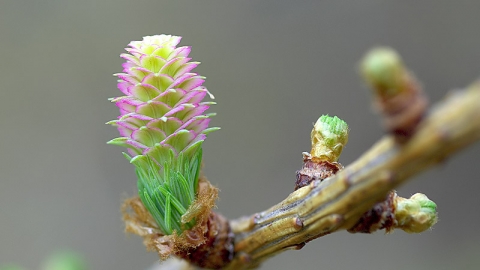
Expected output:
(339, 201)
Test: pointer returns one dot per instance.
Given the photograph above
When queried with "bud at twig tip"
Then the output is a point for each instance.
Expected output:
(383, 70)
(416, 214)
(329, 136)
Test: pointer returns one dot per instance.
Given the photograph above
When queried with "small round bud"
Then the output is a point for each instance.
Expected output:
(416, 214)
(329, 136)
(383, 69)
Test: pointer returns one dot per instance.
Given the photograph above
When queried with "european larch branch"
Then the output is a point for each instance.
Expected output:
(338, 202)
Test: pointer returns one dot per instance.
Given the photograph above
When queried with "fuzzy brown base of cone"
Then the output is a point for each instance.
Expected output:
(315, 169)
(217, 250)
(381, 216)
(208, 244)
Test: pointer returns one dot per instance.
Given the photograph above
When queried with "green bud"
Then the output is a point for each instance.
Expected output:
(383, 70)
(416, 214)
(329, 136)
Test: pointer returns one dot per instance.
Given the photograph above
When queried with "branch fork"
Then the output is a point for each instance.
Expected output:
(163, 125)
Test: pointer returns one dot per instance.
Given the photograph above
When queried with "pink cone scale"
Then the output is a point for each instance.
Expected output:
(162, 121)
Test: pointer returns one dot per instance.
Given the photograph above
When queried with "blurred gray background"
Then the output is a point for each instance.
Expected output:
(274, 67)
